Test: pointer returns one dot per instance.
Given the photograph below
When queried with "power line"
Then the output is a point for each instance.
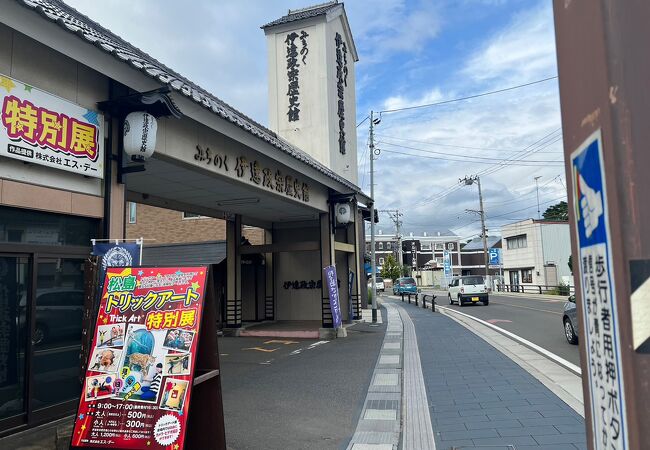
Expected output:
(499, 162)
(455, 187)
(361, 123)
(439, 144)
(483, 94)
(482, 158)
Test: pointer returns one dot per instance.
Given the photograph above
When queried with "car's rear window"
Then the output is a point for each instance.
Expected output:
(379, 280)
(408, 281)
(472, 280)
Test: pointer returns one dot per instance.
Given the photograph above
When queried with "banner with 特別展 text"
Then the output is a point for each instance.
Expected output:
(41, 128)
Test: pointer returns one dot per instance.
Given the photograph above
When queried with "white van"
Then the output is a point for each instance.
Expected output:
(468, 289)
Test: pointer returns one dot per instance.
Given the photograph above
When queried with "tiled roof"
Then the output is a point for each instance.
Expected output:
(73, 21)
(305, 13)
(477, 243)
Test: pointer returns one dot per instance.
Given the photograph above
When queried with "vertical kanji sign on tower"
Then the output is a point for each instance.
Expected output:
(138, 385)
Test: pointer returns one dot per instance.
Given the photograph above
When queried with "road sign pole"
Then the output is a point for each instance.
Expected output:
(603, 69)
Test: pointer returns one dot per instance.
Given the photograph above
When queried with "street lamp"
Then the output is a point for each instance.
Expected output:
(468, 181)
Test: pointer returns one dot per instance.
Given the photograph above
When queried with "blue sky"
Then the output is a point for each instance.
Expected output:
(411, 52)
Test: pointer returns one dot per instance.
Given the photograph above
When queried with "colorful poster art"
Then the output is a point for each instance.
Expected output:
(138, 385)
(41, 128)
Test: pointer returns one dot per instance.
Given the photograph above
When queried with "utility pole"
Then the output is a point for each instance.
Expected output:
(539, 216)
(468, 182)
(395, 217)
(372, 220)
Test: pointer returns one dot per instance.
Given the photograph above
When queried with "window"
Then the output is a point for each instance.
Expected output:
(187, 215)
(425, 246)
(381, 246)
(527, 276)
(439, 246)
(473, 280)
(35, 227)
(381, 261)
(450, 246)
(388, 246)
(132, 212)
(516, 242)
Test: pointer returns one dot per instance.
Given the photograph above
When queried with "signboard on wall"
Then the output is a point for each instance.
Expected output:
(40, 128)
(137, 389)
(605, 370)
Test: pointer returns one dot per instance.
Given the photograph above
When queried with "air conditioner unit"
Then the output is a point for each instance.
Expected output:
(343, 213)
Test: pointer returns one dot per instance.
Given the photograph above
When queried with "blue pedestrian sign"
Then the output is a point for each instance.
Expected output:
(604, 367)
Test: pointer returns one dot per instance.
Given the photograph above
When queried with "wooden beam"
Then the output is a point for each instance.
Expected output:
(343, 247)
(304, 246)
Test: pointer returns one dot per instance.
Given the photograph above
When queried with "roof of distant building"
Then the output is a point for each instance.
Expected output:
(304, 13)
(76, 23)
(413, 234)
(477, 243)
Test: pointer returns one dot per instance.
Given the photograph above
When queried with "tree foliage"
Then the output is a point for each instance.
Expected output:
(559, 211)
(571, 264)
(390, 269)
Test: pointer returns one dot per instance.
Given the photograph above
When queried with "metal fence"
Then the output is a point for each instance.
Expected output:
(536, 289)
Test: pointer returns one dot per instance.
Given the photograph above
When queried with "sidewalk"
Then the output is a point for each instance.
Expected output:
(479, 398)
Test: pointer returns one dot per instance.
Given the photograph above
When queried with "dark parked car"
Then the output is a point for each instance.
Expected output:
(570, 320)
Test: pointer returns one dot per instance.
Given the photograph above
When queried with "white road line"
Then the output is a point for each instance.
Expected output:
(561, 361)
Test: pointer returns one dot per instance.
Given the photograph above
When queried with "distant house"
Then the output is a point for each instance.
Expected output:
(536, 252)
(419, 250)
(473, 256)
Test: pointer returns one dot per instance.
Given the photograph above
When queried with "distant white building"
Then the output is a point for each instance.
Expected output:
(536, 252)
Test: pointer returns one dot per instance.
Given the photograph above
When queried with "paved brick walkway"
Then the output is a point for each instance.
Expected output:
(479, 398)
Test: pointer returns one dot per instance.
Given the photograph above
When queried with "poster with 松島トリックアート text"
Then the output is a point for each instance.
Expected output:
(137, 388)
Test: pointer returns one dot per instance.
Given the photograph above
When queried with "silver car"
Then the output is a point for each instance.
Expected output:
(570, 320)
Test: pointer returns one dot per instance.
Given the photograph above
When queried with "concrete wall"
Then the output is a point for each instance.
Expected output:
(301, 304)
(557, 246)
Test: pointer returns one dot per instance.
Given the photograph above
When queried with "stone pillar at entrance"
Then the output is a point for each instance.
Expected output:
(233, 277)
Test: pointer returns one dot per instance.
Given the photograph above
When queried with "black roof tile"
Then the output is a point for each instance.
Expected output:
(73, 21)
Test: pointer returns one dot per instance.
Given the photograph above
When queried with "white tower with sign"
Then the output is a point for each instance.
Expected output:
(312, 104)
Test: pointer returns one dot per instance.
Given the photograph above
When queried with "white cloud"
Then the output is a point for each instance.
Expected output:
(523, 51)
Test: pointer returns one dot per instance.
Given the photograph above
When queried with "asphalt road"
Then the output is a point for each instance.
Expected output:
(535, 319)
(296, 393)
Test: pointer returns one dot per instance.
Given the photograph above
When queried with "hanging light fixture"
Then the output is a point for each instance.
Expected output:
(140, 135)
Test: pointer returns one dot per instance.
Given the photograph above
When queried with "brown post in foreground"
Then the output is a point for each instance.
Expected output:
(604, 76)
